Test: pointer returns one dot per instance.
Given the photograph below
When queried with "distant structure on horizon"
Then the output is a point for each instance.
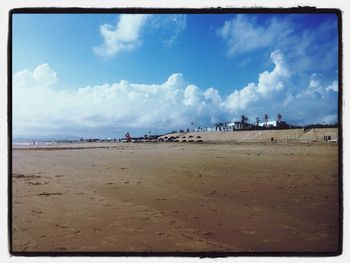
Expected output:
(128, 137)
(244, 125)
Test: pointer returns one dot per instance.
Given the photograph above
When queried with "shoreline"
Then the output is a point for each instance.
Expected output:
(108, 145)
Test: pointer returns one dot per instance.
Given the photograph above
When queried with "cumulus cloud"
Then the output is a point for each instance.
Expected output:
(39, 104)
(44, 75)
(269, 86)
(127, 33)
(171, 104)
(124, 36)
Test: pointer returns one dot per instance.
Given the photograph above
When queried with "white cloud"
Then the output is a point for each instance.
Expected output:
(127, 34)
(306, 49)
(316, 101)
(39, 105)
(191, 95)
(316, 88)
(269, 87)
(239, 100)
(274, 81)
(177, 23)
(45, 75)
(124, 36)
(333, 86)
(243, 34)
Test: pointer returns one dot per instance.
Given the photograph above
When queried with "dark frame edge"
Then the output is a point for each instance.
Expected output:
(183, 10)
(219, 10)
(206, 254)
(339, 15)
(9, 129)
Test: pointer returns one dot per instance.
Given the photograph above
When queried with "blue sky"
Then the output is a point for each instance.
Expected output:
(102, 75)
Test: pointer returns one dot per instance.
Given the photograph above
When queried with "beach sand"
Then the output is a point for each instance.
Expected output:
(239, 197)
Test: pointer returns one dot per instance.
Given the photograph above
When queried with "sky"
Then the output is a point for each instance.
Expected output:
(101, 75)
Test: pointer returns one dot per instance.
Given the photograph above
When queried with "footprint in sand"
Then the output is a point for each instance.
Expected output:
(97, 229)
(61, 226)
(37, 211)
(188, 237)
(162, 233)
(48, 194)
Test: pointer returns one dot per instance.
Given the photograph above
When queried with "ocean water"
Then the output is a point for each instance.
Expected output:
(26, 143)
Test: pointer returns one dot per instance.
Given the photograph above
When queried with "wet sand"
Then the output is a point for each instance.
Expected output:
(242, 197)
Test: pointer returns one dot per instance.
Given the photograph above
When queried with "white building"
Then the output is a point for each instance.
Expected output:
(268, 124)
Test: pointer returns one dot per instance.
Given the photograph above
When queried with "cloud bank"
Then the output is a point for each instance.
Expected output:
(39, 104)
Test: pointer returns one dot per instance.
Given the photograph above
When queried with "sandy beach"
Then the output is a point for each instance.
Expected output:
(168, 197)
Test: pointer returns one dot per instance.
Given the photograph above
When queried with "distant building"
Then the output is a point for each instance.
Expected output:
(242, 125)
(268, 124)
(231, 126)
(331, 137)
(276, 124)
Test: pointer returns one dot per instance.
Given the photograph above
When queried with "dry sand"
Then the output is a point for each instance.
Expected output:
(176, 197)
